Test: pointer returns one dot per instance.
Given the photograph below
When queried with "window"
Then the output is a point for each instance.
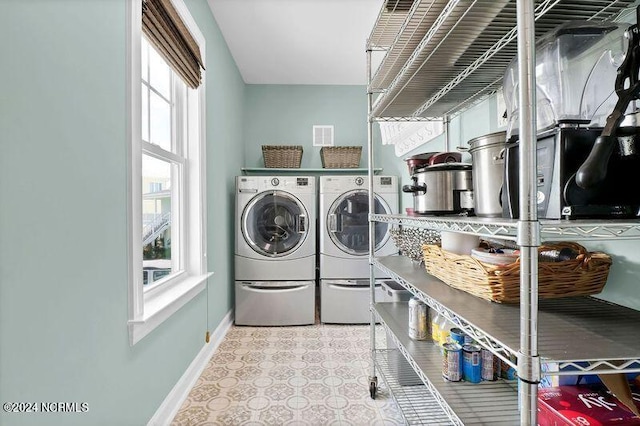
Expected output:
(163, 164)
(167, 227)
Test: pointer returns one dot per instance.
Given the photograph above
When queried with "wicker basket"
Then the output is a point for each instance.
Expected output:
(585, 275)
(282, 156)
(340, 157)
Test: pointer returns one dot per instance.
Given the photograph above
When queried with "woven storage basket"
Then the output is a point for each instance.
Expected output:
(340, 157)
(587, 274)
(282, 156)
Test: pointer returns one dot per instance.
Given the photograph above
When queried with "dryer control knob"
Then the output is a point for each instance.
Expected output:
(275, 181)
(359, 181)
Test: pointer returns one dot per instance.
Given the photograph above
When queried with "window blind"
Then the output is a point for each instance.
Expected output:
(166, 31)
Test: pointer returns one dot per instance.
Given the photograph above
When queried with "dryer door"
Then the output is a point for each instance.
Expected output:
(348, 225)
(275, 223)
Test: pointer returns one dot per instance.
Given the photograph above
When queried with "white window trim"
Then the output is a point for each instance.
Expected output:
(149, 309)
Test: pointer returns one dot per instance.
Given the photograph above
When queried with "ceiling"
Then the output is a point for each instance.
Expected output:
(298, 41)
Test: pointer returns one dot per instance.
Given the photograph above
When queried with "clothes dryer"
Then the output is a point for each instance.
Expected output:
(344, 243)
(275, 256)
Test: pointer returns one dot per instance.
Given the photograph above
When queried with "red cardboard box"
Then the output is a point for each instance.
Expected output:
(582, 406)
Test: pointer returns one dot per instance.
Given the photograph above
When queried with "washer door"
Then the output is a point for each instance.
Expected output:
(274, 223)
(348, 222)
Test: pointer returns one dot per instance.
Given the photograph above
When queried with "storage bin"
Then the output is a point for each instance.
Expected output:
(282, 156)
(584, 275)
(394, 292)
(400, 368)
(340, 157)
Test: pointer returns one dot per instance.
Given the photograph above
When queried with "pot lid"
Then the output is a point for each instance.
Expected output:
(435, 157)
(443, 167)
(423, 156)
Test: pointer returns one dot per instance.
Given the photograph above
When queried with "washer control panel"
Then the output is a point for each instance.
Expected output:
(293, 184)
(341, 184)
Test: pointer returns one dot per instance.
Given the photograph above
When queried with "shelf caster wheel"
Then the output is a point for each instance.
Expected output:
(373, 387)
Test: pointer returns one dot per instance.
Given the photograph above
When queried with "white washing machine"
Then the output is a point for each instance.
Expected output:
(344, 244)
(275, 257)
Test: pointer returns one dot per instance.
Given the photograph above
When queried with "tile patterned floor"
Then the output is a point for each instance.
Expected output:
(311, 375)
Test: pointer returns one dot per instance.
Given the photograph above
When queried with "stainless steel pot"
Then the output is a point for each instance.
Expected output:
(487, 156)
(442, 189)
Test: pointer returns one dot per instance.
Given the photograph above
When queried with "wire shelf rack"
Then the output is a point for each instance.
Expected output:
(417, 405)
(589, 334)
(441, 53)
(507, 229)
(486, 403)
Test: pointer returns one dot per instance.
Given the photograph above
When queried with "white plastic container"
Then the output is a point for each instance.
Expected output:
(456, 242)
(394, 292)
(506, 257)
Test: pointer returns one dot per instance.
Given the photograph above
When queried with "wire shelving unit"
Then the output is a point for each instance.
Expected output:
(440, 57)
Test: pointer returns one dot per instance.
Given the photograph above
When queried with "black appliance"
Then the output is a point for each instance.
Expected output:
(560, 153)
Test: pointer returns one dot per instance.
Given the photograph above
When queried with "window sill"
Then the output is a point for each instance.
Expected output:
(161, 305)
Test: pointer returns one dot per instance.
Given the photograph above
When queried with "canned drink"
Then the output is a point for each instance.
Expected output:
(452, 362)
(490, 366)
(418, 317)
(506, 371)
(457, 336)
(468, 340)
(471, 364)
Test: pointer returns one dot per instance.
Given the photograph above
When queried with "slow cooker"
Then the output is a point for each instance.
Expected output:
(442, 189)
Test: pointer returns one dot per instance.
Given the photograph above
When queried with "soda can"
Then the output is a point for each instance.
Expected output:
(468, 340)
(471, 364)
(490, 366)
(418, 318)
(452, 362)
(506, 371)
(457, 336)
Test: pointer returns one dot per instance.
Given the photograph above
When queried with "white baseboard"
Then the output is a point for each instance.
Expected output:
(174, 400)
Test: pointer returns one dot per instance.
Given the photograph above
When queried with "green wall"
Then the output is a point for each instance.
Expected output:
(285, 115)
(63, 243)
(225, 127)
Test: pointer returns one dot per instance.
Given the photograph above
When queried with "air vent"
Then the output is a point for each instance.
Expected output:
(322, 135)
(398, 5)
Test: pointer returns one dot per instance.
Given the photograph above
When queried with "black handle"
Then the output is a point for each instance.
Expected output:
(415, 188)
(594, 169)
